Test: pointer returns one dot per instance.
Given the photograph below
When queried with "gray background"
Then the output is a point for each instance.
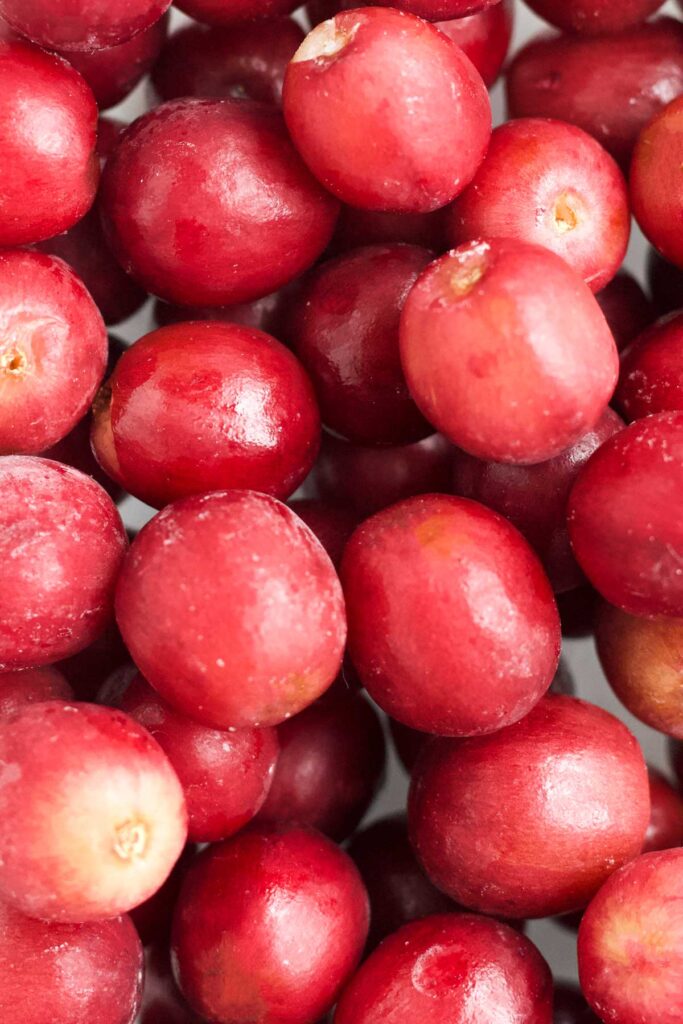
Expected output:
(557, 944)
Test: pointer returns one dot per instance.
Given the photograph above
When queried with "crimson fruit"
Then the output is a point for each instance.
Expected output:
(330, 764)
(626, 308)
(232, 610)
(260, 425)
(247, 60)
(153, 918)
(409, 743)
(48, 124)
(355, 121)
(569, 196)
(440, 10)
(623, 519)
(66, 973)
(225, 775)
(31, 686)
(655, 167)
(185, 236)
(666, 817)
(406, 421)
(114, 71)
(332, 524)
(455, 967)
(635, 919)
(609, 85)
(367, 478)
(83, 247)
(94, 814)
(484, 36)
(452, 580)
(344, 328)
(61, 544)
(269, 924)
(232, 12)
(570, 784)
(53, 351)
(492, 357)
(651, 378)
(398, 888)
(81, 24)
(534, 498)
(643, 661)
(594, 17)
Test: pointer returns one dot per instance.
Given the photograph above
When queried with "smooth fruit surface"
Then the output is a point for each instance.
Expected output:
(356, 124)
(368, 478)
(610, 85)
(409, 743)
(75, 450)
(84, 248)
(225, 775)
(534, 498)
(247, 60)
(260, 425)
(232, 610)
(186, 237)
(651, 378)
(68, 974)
(594, 17)
(269, 925)
(653, 179)
(665, 830)
(452, 580)
(398, 888)
(153, 918)
(344, 328)
(330, 766)
(439, 10)
(113, 72)
(623, 521)
(62, 544)
(494, 361)
(484, 37)
(568, 196)
(81, 24)
(95, 816)
(31, 686)
(626, 308)
(48, 125)
(332, 524)
(53, 351)
(635, 918)
(455, 967)
(263, 314)
(571, 804)
(234, 12)
(643, 661)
